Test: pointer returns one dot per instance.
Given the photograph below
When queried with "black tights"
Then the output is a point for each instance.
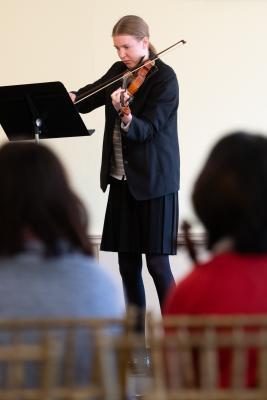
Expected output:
(131, 273)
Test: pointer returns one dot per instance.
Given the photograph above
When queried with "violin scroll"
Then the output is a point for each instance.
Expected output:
(188, 242)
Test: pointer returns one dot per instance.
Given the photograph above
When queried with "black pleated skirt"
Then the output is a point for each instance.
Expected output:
(147, 226)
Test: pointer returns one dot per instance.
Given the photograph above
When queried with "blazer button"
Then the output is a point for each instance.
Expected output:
(126, 162)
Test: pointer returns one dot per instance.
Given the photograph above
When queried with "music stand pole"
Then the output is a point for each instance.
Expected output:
(37, 129)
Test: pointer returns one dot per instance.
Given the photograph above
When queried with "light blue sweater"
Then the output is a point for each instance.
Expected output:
(72, 285)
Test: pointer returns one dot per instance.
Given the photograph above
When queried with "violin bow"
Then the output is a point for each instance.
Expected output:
(125, 74)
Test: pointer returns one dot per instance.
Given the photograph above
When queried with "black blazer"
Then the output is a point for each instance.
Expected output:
(150, 147)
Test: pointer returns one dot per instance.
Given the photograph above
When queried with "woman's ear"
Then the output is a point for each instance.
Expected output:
(145, 42)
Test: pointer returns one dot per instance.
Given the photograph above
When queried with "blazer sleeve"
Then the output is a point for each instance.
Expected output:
(161, 101)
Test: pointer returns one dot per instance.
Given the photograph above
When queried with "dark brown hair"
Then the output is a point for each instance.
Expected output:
(133, 25)
(230, 194)
(36, 197)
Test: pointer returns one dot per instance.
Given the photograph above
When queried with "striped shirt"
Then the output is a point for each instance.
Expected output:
(117, 167)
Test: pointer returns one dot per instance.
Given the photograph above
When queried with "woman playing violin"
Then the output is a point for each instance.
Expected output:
(140, 160)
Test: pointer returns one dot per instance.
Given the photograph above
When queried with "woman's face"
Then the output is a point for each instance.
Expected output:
(130, 49)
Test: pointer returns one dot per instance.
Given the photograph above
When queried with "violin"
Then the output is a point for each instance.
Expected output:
(140, 78)
(135, 84)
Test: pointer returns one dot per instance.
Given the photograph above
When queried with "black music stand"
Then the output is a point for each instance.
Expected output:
(37, 110)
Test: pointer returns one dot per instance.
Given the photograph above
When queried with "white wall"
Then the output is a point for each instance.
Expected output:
(221, 70)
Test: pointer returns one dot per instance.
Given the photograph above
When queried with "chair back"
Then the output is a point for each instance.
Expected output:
(77, 374)
(211, 357)
(18, 360)
(125, 366)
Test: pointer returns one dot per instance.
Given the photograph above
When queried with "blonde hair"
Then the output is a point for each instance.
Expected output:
(134, 26)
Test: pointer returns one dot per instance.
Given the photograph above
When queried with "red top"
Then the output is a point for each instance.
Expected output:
(230, 283)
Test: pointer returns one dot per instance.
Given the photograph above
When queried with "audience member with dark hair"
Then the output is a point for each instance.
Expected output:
(229, 197)
(46, 263)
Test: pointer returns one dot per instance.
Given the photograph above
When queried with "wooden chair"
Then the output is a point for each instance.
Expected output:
(78, 375)
(125, 366)
(208, 357)
(14, 361)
